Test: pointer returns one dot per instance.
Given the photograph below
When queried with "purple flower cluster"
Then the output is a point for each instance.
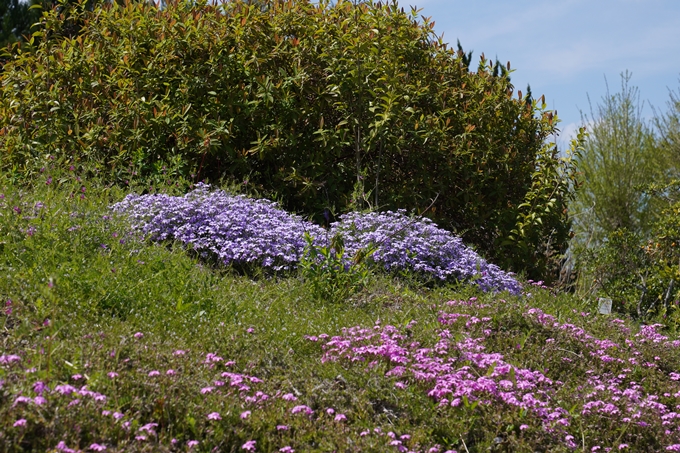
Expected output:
(418, 245)
(232, 228)
(237, 229)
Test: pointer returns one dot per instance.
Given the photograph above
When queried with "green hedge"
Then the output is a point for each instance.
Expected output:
(325, 107)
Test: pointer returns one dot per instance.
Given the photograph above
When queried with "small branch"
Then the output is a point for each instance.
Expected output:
(431, 204)
(642, 296)
(464, 446)
(571, 352)
(669, 292)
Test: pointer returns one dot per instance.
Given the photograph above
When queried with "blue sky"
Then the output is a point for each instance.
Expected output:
(565, 48)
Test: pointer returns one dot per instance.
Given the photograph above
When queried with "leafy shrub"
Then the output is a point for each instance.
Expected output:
(235, 230)
(332, 274)
(640, 274)
(618, 269)
(306, 102)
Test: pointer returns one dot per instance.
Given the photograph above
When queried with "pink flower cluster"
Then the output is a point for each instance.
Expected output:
(458, 370)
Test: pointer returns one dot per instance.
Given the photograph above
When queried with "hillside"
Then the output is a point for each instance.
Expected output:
(115, 343)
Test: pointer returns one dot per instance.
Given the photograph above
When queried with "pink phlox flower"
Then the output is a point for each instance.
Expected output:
(149, 428)
(153, 373)
(9, 359)
(192, 443)
(112, 374)
(205, 390)
(289, 397)
(65, 389)
(245, 414)
(39, 400)
(249, 446)
(179, 352)
(282, 428)
(61, 446)
(22, 400)
(302, 408)
(138, 335)
(287, 449)
(330, 411)
(170, 372)
(212, 358)
(340, 417)
(97, 447)
(20, 422)
(40, 387)
(214, 416)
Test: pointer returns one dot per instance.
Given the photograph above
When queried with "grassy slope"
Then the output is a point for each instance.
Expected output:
(161, 342)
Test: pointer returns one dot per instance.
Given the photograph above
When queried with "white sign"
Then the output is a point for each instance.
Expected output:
(604, 306)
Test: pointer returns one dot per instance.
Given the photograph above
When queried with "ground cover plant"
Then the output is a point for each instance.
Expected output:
(112, 343)
(236, 230)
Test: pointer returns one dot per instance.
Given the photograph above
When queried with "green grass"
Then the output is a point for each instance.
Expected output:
(85, 298)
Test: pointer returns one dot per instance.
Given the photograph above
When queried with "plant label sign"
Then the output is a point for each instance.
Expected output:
(604, 306)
